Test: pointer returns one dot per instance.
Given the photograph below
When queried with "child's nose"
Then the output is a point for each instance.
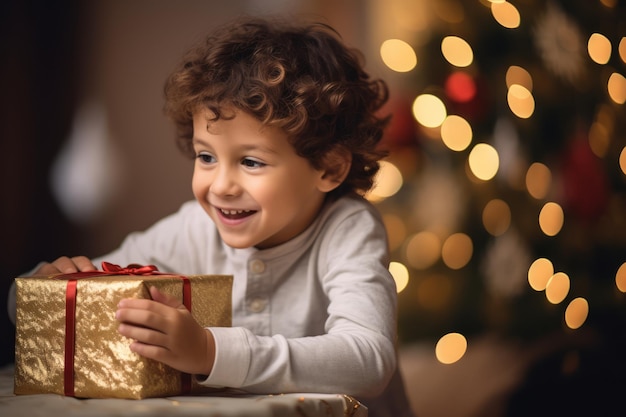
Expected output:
(225, 182)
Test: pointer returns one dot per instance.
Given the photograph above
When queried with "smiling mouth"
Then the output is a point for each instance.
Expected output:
(236, 214)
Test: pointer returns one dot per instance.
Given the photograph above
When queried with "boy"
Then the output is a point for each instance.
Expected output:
(282, 122)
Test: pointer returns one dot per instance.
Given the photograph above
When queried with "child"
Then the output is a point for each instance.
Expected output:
(282, 122)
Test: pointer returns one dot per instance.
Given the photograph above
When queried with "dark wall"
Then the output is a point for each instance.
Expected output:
(38, 78)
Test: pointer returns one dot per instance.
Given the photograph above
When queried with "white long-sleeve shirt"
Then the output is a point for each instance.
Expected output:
(315, 314)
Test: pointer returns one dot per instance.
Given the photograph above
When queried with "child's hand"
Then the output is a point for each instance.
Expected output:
(65, 265)
(164, 330)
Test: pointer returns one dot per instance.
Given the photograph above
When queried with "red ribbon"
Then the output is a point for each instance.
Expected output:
(108, 269)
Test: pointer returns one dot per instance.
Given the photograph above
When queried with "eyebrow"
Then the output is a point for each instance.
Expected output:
(245, 148)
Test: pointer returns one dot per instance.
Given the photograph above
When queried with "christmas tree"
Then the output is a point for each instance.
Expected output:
(504, 193)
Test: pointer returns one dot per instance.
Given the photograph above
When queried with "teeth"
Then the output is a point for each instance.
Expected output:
(233, 212)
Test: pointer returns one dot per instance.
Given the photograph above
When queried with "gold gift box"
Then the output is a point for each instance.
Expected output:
(104, 365)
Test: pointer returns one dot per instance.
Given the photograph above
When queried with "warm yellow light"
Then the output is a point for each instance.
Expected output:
(396, 230)
(400, 275)
(599, 139)
(557, 287)
(457, 250)
(423, 250)
(622, 49)
(429, 110)
(620, 278)
(538, 180)
(540, 273)
(622, 160)
(599, 48)
(551, 219)
(506, 14)
(457, 51)
(518, 75)
(521, 101)
(484, 161)
(398, 55)
(456, 133)
(576, 313)
(388, 182)
(450, 348)
(617, 88)
(496, 217)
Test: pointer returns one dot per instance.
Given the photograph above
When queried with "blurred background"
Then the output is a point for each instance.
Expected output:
(504, 193)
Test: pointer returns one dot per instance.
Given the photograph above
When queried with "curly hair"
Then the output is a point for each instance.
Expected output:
(302, 79)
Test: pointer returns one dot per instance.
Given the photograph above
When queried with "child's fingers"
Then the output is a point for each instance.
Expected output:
(164, 298)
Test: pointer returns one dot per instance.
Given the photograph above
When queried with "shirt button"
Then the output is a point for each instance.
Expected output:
(257, 266)
(257, 305)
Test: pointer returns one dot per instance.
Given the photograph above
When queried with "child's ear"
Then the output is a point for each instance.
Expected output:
(337, 164)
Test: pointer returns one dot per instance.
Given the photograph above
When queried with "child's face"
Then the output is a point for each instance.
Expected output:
(252, 183)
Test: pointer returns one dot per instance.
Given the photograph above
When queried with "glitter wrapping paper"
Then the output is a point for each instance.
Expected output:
(104, 366)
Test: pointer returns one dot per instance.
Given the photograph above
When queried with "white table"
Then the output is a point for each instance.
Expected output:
(235, 405)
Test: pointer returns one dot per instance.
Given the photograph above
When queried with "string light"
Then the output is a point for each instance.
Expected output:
(599, 48)
(496, 217)
(557, 287)
(398, 55)
(551, 219)
(456, 133)
(538, 180)
(400, 274)
(484, 161)
(451, 348)
(539, 273)
(429, 110)
(506, 14)
(457, 51)
(457, 250)
(576, 313)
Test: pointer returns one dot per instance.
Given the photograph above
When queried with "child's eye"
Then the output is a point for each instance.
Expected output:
(205, 157)
(252, 163)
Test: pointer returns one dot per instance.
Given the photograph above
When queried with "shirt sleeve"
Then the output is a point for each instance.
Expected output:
(356, 354)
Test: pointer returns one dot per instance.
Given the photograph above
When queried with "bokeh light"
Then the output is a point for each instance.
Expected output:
(620, 278)
(429, 110)
(423, 250)
(396, 230)
(460, 87)
(622, 160)
(599, 139)
(457, 250)
(398, 55)
(496, 217)
(538, 180)
(457, 51)
(521, 101)
(518, 75)
(576, 313)
(451, 348)
(617, 88)
(456, 133)
(484, 161)
(388, 182)
(539, 273)
(400, 275)
(599, 48)
(506, 14)
(557, 287)
(622, 49)
(551, 219)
